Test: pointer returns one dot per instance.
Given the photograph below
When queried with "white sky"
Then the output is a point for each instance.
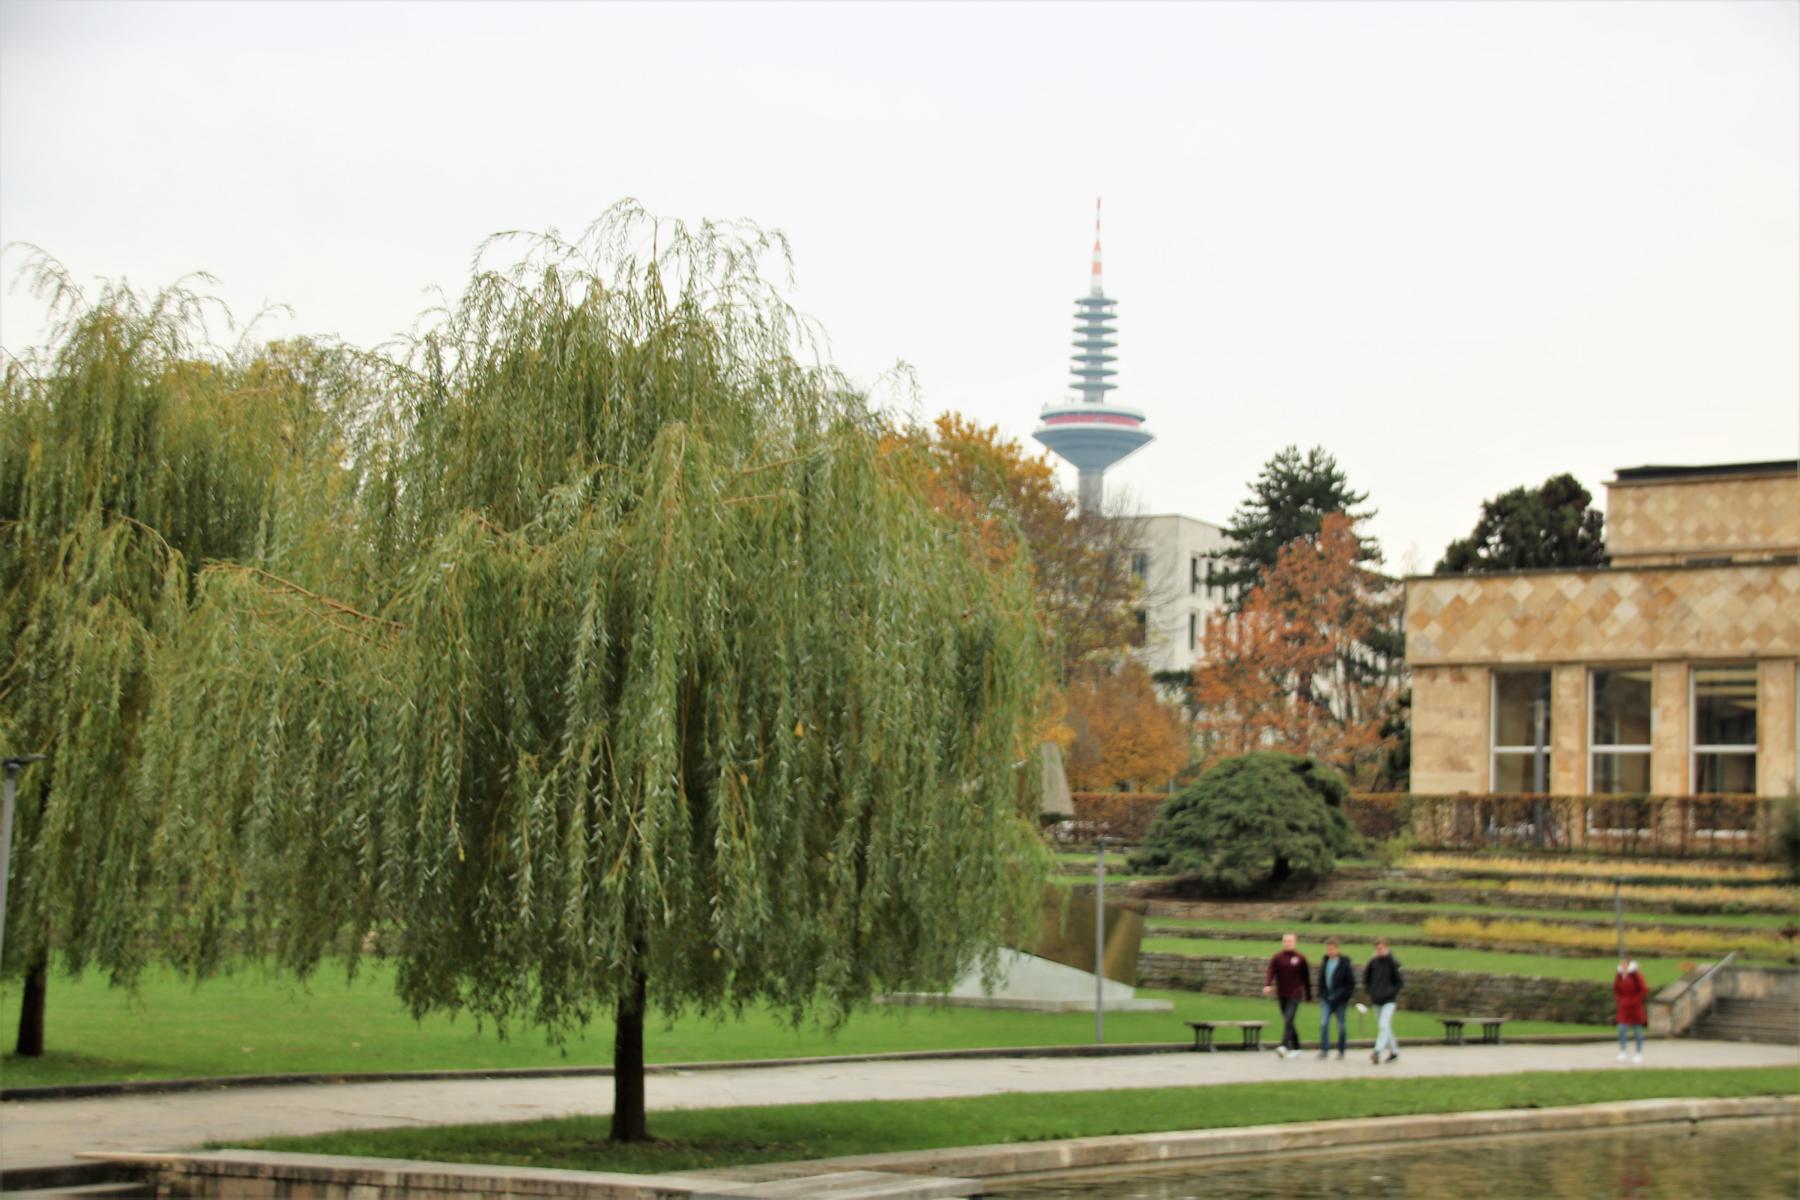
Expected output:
(1462, 246)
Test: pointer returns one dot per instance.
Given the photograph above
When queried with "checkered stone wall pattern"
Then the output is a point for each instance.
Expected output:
(1743, 611)
(1671, 518)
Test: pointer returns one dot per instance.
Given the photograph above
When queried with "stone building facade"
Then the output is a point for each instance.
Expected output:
(1672, 671)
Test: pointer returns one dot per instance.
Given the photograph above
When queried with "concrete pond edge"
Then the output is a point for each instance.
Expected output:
(957, 1171)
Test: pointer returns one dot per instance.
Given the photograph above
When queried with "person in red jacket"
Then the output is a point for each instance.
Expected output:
(1629, 993)
(1288, 979)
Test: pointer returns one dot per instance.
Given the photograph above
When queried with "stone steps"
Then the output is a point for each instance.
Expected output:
(1736, 1020)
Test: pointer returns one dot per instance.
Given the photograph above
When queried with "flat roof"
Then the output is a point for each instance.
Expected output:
(1648, 474)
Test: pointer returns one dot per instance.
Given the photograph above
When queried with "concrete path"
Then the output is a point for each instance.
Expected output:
(46, 1132)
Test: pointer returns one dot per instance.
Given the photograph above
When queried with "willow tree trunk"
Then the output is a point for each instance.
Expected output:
(628, 1119)
(31, 1010)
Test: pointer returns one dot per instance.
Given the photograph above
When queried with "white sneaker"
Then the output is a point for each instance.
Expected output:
(1621, 1056)
(1283, 1051)
(1637, 1058)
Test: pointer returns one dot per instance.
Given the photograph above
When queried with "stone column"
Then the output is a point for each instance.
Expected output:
(1775, 751)
(1669, 729)
(1568, 729)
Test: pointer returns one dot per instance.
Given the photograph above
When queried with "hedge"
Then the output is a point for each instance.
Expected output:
(1733, 826)
(1725, 826)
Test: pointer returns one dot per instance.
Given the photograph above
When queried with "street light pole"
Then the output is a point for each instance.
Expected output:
(13, 767)
(1100, 844)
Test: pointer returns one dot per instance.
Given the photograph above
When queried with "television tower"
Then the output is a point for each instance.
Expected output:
(1089, 432)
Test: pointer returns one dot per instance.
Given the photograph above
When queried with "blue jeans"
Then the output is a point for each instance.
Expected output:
(1637, 1029)
(1327, 1010)
(1384, 1032)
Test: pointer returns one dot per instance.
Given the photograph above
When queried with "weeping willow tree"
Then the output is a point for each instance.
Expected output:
(660, 686)
(130, 452)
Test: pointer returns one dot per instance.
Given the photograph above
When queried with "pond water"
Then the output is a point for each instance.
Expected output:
(1745, 1160)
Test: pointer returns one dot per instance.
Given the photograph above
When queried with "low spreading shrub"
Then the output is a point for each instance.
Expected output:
(1684, 899)
(1704, 943)
(1594, 868)
(1261, 818)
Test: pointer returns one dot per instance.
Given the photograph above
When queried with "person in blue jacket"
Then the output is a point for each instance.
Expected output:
(1337, 983)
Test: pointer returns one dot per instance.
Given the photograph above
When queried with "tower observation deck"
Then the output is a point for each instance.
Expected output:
(1089, 432)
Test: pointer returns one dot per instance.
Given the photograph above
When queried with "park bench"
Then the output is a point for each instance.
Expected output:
(1490, 1029)
(1203, 1033)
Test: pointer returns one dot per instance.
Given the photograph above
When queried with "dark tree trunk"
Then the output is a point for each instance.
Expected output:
(628, 1120)
(31, 1010)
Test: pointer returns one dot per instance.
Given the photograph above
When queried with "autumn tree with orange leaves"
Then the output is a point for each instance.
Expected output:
(1293, 670)
(1008, 499)
(1106, 713)
(1124, 734)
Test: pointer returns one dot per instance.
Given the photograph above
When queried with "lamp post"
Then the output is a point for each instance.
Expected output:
(13, 767)
(1100, 844)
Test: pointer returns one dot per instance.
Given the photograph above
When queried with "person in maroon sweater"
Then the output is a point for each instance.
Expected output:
(1288, 979)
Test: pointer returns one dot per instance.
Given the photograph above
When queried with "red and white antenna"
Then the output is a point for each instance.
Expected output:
(1094, 288)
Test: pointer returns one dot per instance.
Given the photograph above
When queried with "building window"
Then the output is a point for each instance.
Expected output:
(1724, 735)
(1209, 578)
(1140, 631)
(1140, 565)
(1193, 631)
(1619, 733)
(1521, 732)
(1194, 574)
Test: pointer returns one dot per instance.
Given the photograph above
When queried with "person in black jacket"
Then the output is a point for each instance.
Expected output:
(1383, 981)
(1337, 983)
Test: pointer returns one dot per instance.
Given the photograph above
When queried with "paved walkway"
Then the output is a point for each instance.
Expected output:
(39, 1133)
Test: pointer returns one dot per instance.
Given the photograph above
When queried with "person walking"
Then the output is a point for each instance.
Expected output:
(1337, 983)
(1383, 981)
(1288, 978)
(1629, 993)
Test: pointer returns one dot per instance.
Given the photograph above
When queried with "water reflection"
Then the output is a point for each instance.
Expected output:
(1748, 1160)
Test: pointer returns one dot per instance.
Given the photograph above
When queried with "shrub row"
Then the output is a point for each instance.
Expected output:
(1734, 827)
(1698, 943)
(1685, 827)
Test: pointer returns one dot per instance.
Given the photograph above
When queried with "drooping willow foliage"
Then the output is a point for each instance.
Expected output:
(129, 454)
(647, 670)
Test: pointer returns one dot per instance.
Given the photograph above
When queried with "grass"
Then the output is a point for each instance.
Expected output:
(702, 1139)
(250, 1023)
(1598, 969)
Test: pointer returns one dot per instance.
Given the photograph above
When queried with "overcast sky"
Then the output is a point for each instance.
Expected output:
(1461, 246)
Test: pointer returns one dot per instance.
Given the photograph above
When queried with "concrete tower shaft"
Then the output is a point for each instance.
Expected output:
(1090, 433)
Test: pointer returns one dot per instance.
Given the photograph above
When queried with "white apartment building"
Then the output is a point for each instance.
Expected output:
(1178, 593)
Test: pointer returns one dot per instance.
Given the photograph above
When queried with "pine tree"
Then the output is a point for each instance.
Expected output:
(1288, 500)
(1525, 529)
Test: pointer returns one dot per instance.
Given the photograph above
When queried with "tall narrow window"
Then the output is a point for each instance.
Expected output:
(1193, 574)
(1140, 632)
(1619, 740)
(1724, 741)
(1209, 578)
(1140, 565)
(1521, 733)
(1193, 631)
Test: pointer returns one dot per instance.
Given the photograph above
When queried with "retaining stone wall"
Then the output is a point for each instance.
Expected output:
(1448, 992)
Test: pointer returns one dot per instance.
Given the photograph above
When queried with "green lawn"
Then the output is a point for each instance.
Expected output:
(1657, 971)
(249, 1024)
(698, 1139)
